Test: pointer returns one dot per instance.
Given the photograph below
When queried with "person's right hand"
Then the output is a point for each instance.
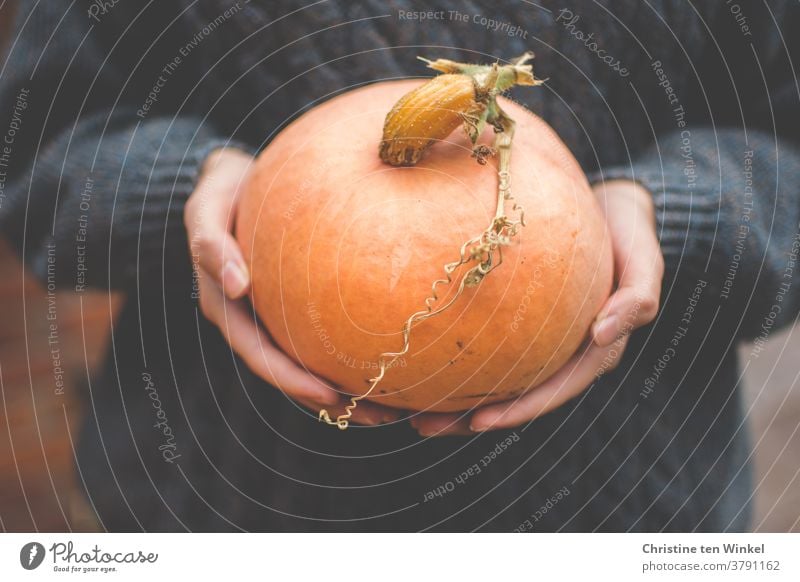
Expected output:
(224, 281)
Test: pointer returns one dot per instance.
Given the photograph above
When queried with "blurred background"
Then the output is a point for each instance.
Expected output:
(39, 489)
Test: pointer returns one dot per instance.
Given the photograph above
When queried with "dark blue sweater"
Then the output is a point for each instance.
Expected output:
(107, 110)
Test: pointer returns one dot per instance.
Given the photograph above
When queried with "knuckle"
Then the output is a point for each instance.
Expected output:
(190, 212)
(660, 264)
(207, 307)
(188, 209)
(649, 304)
(204, 242)
(659, 268)
(206, 247)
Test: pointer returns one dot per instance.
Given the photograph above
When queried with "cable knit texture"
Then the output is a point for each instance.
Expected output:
(107, 149)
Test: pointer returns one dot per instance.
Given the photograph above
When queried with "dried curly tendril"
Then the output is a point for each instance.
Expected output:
(466, 95)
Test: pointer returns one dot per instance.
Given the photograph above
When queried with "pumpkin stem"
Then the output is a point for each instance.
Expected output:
(485, 251)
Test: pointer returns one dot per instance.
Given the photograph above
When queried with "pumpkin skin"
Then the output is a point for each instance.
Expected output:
(343, 248)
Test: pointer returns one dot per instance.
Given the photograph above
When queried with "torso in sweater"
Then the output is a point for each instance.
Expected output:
(648, 446)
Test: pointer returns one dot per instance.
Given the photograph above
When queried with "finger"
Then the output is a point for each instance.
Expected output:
(366, 413)
(627, 309)
(257, 351)
(430, 424)
(383, 414)
(234, 275)
(209, 223)
(219, 256)
(567, 383)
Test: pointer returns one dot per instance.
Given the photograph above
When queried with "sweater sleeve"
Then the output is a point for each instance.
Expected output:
(726, 188)
(93, 180)
(728, 213)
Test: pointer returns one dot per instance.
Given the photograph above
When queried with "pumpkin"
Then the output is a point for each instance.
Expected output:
(343, 248)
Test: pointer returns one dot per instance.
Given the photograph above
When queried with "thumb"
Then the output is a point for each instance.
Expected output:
(638, 265)
(209, 216)
(627, 309)
(222, 259)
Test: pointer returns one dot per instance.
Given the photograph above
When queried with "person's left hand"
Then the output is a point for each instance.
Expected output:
(639, 269)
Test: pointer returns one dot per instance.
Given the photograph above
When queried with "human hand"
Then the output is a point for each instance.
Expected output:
(223, 282)
(639, 270)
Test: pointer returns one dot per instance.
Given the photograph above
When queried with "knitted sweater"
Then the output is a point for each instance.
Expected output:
(107, 109)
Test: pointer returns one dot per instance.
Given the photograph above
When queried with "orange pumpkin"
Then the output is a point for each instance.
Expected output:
(344, 248)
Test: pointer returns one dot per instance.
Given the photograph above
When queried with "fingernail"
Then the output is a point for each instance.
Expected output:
(387, 418)
(477, 427)
(606, 331)
(234, 279)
